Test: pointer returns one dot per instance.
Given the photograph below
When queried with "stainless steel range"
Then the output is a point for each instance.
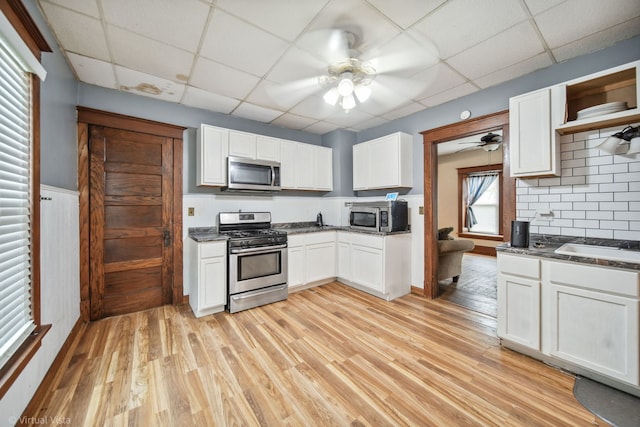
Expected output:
(257, 260)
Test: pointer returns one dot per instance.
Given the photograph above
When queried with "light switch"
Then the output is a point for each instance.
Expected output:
(421, 210)
(191, 211)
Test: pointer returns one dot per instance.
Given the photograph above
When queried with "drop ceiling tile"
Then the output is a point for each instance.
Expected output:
(292, 121)
(284, 18)
(87, 7)
(240, 45)
(321, 128)
(148, 85)
(403, 56)
(449, 95)
(403, 111)
(198, 98)
(527, 66)
(367, 124)
(223, 80)
(460, 24)
(93, 71)
(436, 79)
(354, 116)
(510, 47)
(598, 41)
(297, 64)
(149, 56)
(406, 12)
(255, 112)
(538, 6)
(176, 23)
(358, 16)
(313, 107)
(76, 32)
(558, 31)
(280, 96)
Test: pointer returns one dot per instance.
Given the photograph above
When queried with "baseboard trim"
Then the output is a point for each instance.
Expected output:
(54, 374)
(417, 291)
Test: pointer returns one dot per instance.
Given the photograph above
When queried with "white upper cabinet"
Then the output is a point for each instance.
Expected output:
(535, 150)
(302, 166)
(211, 155)
(242, 144)
(536, 119)
(384, 162)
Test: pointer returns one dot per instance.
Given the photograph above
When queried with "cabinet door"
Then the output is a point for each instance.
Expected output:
(595, 330)
(212, 284)
(305, 166)
(288, 164)
(519, 310)
(320, 261)
(323, 168)
(384, 162)
(212, 156)
(242, 144)
(344, 260)
(531, 137)
(267, 148)
(296, 265)
(366, 267)
(360, 166)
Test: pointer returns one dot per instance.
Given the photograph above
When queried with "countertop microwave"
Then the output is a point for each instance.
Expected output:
(252, 175)
(383, 216)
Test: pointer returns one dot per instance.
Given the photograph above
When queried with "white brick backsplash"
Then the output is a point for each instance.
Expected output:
(627, 177)
(608, 215)
(597, 194)
(599, 234)
(614, 206)
(615, 225)
(621, 187)
(600, 197)
(631, 196)
(619, 168)
(626, 235)
(569, 180)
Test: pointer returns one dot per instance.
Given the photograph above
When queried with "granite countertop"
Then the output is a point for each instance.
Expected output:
(206, 234)
(311, 227)
(544, 246)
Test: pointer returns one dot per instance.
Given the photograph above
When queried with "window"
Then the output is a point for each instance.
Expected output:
(20, 329)
(480, 209)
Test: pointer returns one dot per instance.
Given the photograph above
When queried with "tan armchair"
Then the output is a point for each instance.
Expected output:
(450, 257)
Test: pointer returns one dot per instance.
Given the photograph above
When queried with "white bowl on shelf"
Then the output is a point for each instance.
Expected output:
(602, 109)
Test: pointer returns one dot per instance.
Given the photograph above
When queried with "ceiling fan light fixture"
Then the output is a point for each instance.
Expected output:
(363, 92)
(348, 102)
(332, 96)
(345, 87)
(491, 146)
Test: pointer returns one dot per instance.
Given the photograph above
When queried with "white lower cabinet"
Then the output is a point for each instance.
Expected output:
(208, 272)
(312, 258)
(519, 300)
(379, 265)
(583, 318)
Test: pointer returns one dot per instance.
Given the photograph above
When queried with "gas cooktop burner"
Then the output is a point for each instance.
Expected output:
(250, 230)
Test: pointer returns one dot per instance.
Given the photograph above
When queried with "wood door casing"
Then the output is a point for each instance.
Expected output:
(88, 117)
(131, 182)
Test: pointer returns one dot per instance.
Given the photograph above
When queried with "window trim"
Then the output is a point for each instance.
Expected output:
(22, 22)
(462, 174)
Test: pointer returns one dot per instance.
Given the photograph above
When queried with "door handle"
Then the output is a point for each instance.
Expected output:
(166, 236)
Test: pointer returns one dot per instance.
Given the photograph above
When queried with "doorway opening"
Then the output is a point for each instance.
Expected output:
(497, 122)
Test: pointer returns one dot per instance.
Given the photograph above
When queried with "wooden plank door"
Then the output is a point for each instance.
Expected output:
(131, 207)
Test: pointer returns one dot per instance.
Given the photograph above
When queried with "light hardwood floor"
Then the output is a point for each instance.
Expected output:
(328, 356)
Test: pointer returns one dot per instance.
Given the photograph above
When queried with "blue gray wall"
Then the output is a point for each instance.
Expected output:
(61, 93)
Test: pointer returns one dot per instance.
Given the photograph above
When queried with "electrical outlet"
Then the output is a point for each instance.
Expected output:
(421, 210)
(191, 211)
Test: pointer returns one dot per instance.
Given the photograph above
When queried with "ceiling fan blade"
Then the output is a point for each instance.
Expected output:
(289, 94)
(403, 56)
(332, 45)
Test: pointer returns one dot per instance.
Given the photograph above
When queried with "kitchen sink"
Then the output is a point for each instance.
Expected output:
(601, 252)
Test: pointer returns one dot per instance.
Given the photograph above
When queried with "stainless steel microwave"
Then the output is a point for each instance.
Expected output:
(384, 216)
(252, 175)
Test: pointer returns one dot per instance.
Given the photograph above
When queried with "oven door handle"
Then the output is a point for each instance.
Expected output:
(258, 250)
(255, 294)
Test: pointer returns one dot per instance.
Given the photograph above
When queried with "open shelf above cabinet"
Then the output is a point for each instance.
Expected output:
(619, 84)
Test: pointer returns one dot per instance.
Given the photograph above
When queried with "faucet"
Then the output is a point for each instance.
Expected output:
(319, 221)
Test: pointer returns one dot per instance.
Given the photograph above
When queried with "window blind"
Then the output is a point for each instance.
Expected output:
(16, 321)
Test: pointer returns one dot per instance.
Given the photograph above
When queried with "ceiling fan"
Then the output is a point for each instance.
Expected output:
(489, 142)
(347, 76)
